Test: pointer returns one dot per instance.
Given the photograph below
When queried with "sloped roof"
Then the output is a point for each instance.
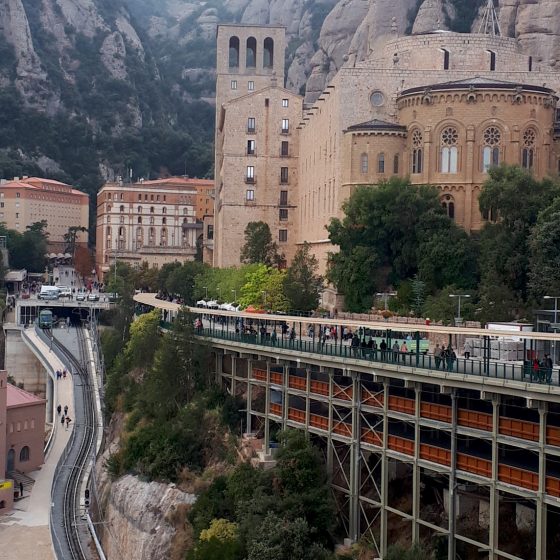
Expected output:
(17, 397)
(377, 124)
(477, 82)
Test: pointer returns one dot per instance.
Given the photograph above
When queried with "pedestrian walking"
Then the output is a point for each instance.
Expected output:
(58, 409)
(395, 349)
(355, 344)
(451, 356)
(64, 374)
(467, 349)
(404, 351)
(383, 348)
(437, 355)
(68, 420)
(62, 420)
(548, 365)
(65, 410)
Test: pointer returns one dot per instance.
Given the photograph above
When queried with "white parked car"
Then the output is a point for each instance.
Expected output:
(201, 303)
(212, 304)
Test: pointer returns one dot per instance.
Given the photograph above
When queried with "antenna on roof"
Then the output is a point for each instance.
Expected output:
(490, 24)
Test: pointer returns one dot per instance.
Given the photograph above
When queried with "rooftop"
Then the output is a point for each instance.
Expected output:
(478, 82)
(377, 124)
(17, 397)
(39, 183)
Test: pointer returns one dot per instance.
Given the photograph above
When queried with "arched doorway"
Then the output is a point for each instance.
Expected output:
(11, 461)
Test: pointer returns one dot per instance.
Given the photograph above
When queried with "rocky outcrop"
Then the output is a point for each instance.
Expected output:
(432, 15)
(143, 519)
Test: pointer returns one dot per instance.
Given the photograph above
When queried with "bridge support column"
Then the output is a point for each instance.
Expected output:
(541, 504)
(354, 497)
(219, 368)
(494, 496)
(416, 468)
(285, 396)
(234, 375)
(384, 545)
(266, 410)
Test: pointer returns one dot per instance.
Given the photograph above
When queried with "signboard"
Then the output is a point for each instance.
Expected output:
(6, 485)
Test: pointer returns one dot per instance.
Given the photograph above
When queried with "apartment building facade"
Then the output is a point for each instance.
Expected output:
(27, 200)
(149, 221)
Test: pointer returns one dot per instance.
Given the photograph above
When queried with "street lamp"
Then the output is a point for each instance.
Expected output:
(205, 288)
(234, 295)
(264, 298)
(458, 319)
(219, 291)
(555, 298)
(386, 296)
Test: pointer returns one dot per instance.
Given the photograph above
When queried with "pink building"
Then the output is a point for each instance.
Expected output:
(25, 430)
(6, 486)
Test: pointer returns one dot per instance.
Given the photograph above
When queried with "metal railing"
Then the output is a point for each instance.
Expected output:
(522, 372)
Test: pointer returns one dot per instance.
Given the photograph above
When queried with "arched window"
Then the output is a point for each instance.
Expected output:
(234, 52)
(364, 165)
(152, 236)
(396, 164)
(492, 140)
(24, 454)
(121, 208)
(164, 210)
(164, 220)
(381, 163)
(139, 219)
(529, 149)
(417, 146)
(109, 231)
(151, 209)
(268, 54)
(449, 154)
(139, 209)
(163, 241)
(448, 204)
(185, 211)
(251, 58)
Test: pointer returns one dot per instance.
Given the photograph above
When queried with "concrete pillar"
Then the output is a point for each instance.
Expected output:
(354, 502)
(541, 504)
(494, 508)
(384, 544)
(266, 407)
(285, 374)
(234, 374)
(415, 467)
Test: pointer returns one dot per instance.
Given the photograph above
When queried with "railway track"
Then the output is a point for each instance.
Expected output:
(67, 515)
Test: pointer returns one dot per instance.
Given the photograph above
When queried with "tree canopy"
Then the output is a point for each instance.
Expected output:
(259, 247)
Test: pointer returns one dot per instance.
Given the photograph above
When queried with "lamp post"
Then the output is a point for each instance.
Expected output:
(205, 288)
(219, 291)
(458, 319)
(555, 298)
(264, 298)
(234, 295)
(386, 296)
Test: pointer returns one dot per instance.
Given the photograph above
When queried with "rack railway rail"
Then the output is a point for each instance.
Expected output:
(66, 517)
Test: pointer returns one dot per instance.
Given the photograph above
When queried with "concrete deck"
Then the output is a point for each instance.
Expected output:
(25, 532)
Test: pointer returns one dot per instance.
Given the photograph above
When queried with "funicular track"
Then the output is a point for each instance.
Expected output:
(67, 514)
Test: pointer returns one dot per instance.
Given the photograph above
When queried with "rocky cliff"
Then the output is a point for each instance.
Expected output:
(133, 80)
(140, 520)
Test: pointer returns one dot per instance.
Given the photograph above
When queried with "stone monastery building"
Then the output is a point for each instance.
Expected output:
(441, 108)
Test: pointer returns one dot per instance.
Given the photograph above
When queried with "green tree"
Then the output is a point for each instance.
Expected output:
(302, 284)
(381, 236)
(544, 241)
(513, 198)
(264, 288)
(259, 247)
(70, 238)
(181, 281)
(179, 369)
(442, 307)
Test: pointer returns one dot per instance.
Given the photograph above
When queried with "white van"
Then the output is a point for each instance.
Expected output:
(65, 291)
(49, 292)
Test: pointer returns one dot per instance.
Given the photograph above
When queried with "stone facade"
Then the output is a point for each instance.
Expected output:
(440, 108)
(256, 142)
(150, 221)
(27, 200)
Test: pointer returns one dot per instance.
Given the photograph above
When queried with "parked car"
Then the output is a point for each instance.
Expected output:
(81, 297)
(93, 297)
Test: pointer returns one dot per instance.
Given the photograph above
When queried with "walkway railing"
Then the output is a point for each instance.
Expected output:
(472, 366)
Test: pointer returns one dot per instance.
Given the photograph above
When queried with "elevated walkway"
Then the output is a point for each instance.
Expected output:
(25, 531)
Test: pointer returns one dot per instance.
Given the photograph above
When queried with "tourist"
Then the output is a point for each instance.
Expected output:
(58, 409)
(404, 350)
(467, 349)
(355, 343)
(437, 355)
(373, 347)
(383, 348)
(548, 365)
(68, 420)
(450, 357)
(65, 410)
(395, 349)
